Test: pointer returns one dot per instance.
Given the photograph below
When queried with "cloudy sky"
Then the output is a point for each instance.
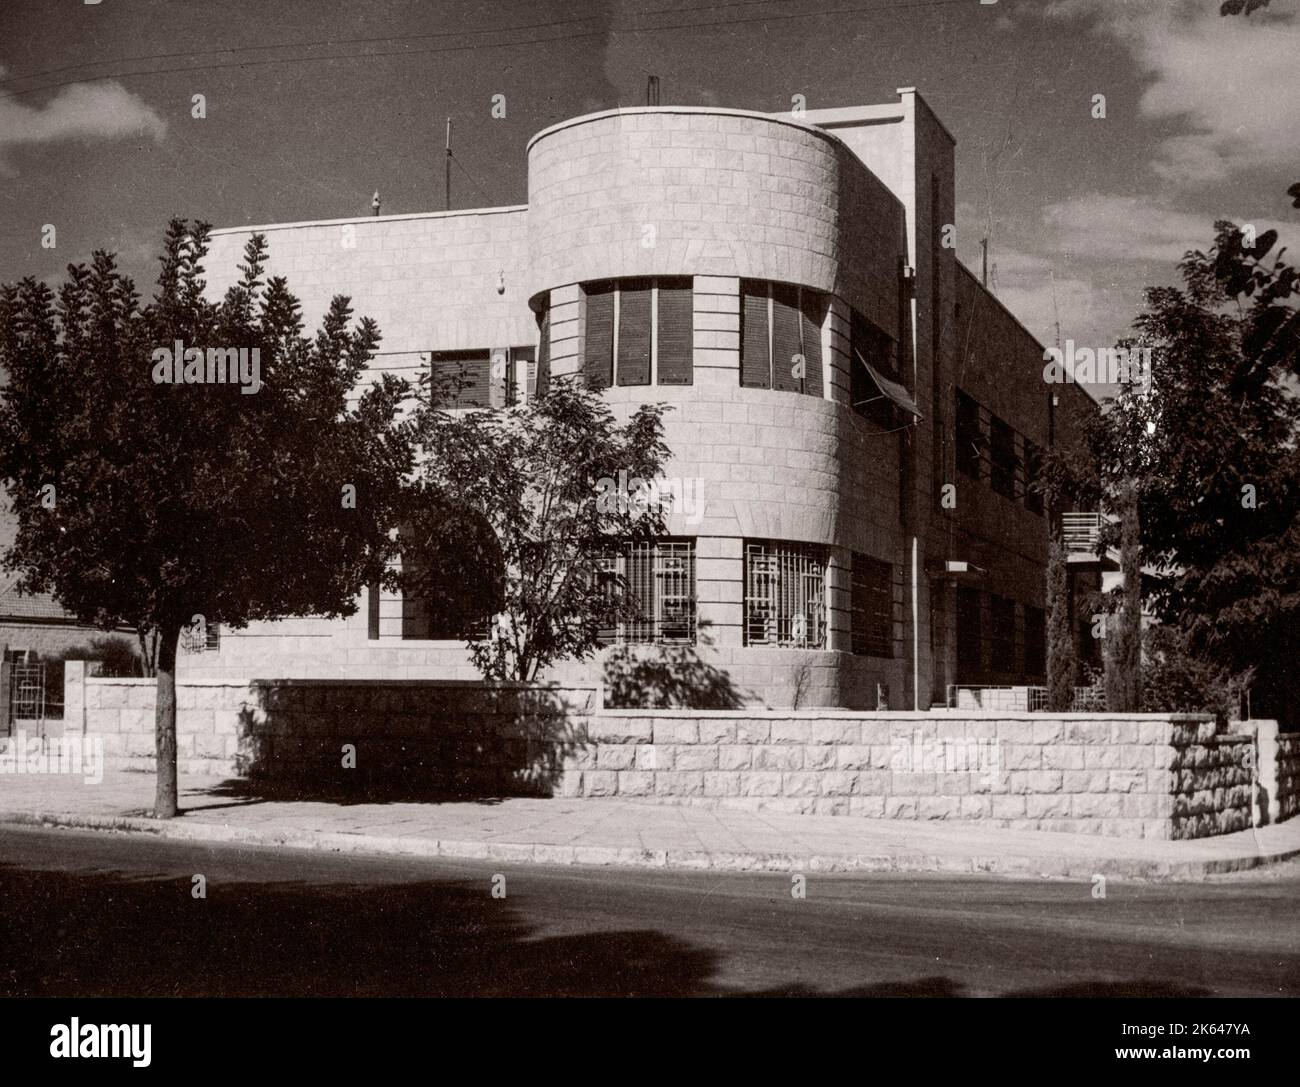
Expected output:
(313, 104)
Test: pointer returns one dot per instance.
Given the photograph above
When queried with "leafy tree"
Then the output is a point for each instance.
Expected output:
(1210, 453)
(146, 503)
(543, 477)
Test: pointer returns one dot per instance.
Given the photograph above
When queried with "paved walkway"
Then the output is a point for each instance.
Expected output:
(624, 832)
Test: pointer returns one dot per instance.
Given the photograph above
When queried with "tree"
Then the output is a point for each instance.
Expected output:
(1123, 647)
(1210, 451)
(153, 503)
(1062, 660)
(558, 482)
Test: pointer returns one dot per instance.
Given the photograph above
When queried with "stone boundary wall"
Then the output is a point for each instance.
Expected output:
(1141, 775)
(1288, 776)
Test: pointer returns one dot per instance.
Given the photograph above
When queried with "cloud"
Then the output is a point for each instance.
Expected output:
(1041, 291)
(1228, 82)
(1112, 228)
(81, 112)
(1089, 260)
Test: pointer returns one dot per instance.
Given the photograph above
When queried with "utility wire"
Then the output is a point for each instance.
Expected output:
(871, 10)
(347, 41)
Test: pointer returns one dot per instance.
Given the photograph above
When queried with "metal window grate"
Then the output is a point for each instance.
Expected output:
(660, 577)
(785, 595)
(192, 643)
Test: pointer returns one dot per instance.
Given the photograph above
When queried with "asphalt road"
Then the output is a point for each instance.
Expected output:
(88, 913)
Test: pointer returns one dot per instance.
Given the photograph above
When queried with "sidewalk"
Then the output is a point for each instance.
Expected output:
(628, 833)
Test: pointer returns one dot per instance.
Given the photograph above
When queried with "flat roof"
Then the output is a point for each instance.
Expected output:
(261, 227)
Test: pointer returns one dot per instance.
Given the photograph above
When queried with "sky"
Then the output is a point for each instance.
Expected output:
(312, 105)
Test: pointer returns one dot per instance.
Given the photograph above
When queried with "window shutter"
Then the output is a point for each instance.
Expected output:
(539, 374)
(755, 364)
(461, 378)
(676, 332)
(501, 383)
(785, 337)
(598, 356)
(634, 332)
(811, 309)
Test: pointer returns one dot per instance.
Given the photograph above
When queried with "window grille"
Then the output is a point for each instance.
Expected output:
(660, 579)
(785, 595)
(210, 643)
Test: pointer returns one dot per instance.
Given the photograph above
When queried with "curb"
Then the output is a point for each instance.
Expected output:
(683, 859)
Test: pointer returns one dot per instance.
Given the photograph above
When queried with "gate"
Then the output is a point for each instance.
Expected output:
(24, 697)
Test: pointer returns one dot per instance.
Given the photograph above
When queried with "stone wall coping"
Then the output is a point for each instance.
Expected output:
(458, 684)
(910, 715)
(405, 216)
(706, 111)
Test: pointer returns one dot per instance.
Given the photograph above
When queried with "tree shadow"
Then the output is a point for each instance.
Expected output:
(367, 742)
(87, 935)
(667, 677)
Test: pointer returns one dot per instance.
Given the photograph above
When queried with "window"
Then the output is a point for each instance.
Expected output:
(675, 339)
(969, 634)
(598, 347)
(462, 379)
(659, 576)
(781, 337)
(539, 373)
(1004, 464)
(785, 595)
(209, 642)
(1033, 468)
(873, 607)
(634, 330)
(870, 346)
(1035, 641)
(970, 437)
(482, 379)
(639, 332)
(1004, 634)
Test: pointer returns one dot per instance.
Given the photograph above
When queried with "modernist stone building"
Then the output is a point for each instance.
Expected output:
(861, 415)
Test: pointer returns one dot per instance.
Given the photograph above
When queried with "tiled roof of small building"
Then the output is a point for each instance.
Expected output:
(14, 605)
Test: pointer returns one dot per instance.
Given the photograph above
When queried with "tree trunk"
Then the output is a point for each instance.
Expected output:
(1061, 660)
(165, 802)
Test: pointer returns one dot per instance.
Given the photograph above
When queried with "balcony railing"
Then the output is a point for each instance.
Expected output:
(1080, 532)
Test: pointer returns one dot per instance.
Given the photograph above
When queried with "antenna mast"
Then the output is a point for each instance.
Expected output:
(447, 177)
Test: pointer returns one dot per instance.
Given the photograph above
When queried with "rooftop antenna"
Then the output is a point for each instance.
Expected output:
(652, 91)
(374, 202)
(447, 179)
(984, 262)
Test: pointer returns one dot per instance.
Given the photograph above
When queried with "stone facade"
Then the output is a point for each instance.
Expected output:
(1142, 775)
(853, 204)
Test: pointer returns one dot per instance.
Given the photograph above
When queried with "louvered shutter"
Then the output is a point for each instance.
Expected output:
(810, 311)
(785, 337)
(634, 332)
(461, 378)
(539, 374)
(598, 354)
(676, 332)
(755, 363)
(501, 380)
